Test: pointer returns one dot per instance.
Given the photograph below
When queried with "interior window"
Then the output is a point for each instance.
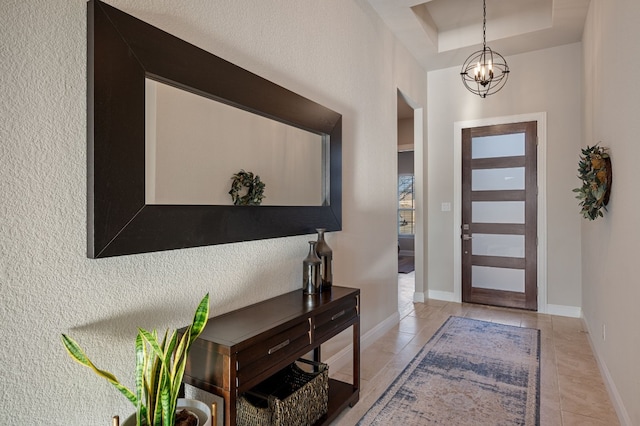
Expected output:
(406, 205)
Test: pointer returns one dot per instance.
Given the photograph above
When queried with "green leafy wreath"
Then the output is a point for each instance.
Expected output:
(254, 186)
(594, 169)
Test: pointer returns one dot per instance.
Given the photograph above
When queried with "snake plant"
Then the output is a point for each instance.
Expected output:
(160, 367)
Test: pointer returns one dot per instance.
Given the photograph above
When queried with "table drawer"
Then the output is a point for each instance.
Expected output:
(263, 354)
(334, 319)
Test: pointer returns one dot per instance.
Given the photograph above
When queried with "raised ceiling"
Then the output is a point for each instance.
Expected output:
(442, 33)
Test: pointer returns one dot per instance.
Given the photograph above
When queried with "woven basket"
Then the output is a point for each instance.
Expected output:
(291, 397)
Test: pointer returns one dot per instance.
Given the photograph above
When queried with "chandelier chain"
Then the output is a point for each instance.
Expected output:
(484, 24)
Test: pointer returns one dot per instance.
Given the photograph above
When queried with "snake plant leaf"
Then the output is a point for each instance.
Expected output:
(169, 348)
(152, 340)
(180, 360)
(192, 332)
(168, 410)
(155, 408)
(156, 377)
(171, 371)
(78, 355)
(74, 350)
(161, 399)
(200, 318)
(141, 354)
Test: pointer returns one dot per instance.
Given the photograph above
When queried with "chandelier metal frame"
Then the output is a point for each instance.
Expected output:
(484, 72)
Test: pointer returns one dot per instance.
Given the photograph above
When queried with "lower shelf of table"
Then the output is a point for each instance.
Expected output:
(341, 396)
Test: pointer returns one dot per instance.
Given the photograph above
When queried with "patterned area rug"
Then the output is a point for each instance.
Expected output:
(469, 373)
(405, 264)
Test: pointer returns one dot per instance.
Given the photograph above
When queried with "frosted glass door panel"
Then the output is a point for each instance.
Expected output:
(497, 211)
(497, 179)
(497, 278)
(498, 245)
(511, 145)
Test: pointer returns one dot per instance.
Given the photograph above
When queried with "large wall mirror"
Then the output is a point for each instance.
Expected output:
(169, 123)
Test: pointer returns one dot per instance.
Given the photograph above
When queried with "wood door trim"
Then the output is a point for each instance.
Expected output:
(499, 261)
(498, 228)
(501, 129)
(508, 195)
(509, 299)
(498, 162)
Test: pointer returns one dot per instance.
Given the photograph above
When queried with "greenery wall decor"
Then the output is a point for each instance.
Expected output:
(594, 169)
(253, 185)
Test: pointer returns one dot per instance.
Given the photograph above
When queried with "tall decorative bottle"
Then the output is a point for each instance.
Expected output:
(326, 255)
(311, 280)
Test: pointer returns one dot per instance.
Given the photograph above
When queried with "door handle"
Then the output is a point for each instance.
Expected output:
(466, 237)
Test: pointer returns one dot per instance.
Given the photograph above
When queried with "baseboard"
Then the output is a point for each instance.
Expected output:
(564, 311)
(343, 357)
(560, 310)
(418, 297)
(618, 405)
(446, 296)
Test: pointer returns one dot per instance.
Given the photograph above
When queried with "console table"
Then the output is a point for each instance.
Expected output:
(240, 349)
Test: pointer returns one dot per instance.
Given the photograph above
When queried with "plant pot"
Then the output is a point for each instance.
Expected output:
(199, 408)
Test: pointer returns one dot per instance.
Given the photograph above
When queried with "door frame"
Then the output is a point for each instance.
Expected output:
(419, 291)
(541, 119)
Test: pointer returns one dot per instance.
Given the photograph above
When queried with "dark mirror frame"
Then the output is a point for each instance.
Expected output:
(121, 52)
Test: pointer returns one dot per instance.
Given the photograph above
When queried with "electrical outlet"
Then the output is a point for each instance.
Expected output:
(604, 332)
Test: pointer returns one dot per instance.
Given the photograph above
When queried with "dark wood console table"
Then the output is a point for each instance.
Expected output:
(241, 348)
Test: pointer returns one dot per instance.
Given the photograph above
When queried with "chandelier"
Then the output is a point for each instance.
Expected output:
(484, 72)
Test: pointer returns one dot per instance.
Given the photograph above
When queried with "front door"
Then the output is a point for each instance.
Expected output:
(499, 215)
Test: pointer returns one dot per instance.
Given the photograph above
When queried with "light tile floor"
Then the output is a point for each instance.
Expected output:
(572, 391)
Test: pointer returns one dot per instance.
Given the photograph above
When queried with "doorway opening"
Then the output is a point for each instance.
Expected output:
(409, 205)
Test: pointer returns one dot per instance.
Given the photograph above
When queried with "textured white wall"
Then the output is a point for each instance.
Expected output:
(529, 90)
(611, 287)
(336, 52)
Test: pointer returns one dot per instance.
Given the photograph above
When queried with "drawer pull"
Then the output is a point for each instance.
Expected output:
(338, 315)
(278, 347)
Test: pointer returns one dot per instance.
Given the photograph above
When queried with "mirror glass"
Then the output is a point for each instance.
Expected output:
(194, 145)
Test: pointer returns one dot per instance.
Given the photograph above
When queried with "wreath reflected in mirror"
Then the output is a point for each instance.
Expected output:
(594, 169)
(246, 189)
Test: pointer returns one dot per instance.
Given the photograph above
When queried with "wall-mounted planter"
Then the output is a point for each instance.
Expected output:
(594, 169)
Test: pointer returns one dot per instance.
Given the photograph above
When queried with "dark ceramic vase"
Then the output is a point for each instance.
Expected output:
(326, 256)
(311, 279)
